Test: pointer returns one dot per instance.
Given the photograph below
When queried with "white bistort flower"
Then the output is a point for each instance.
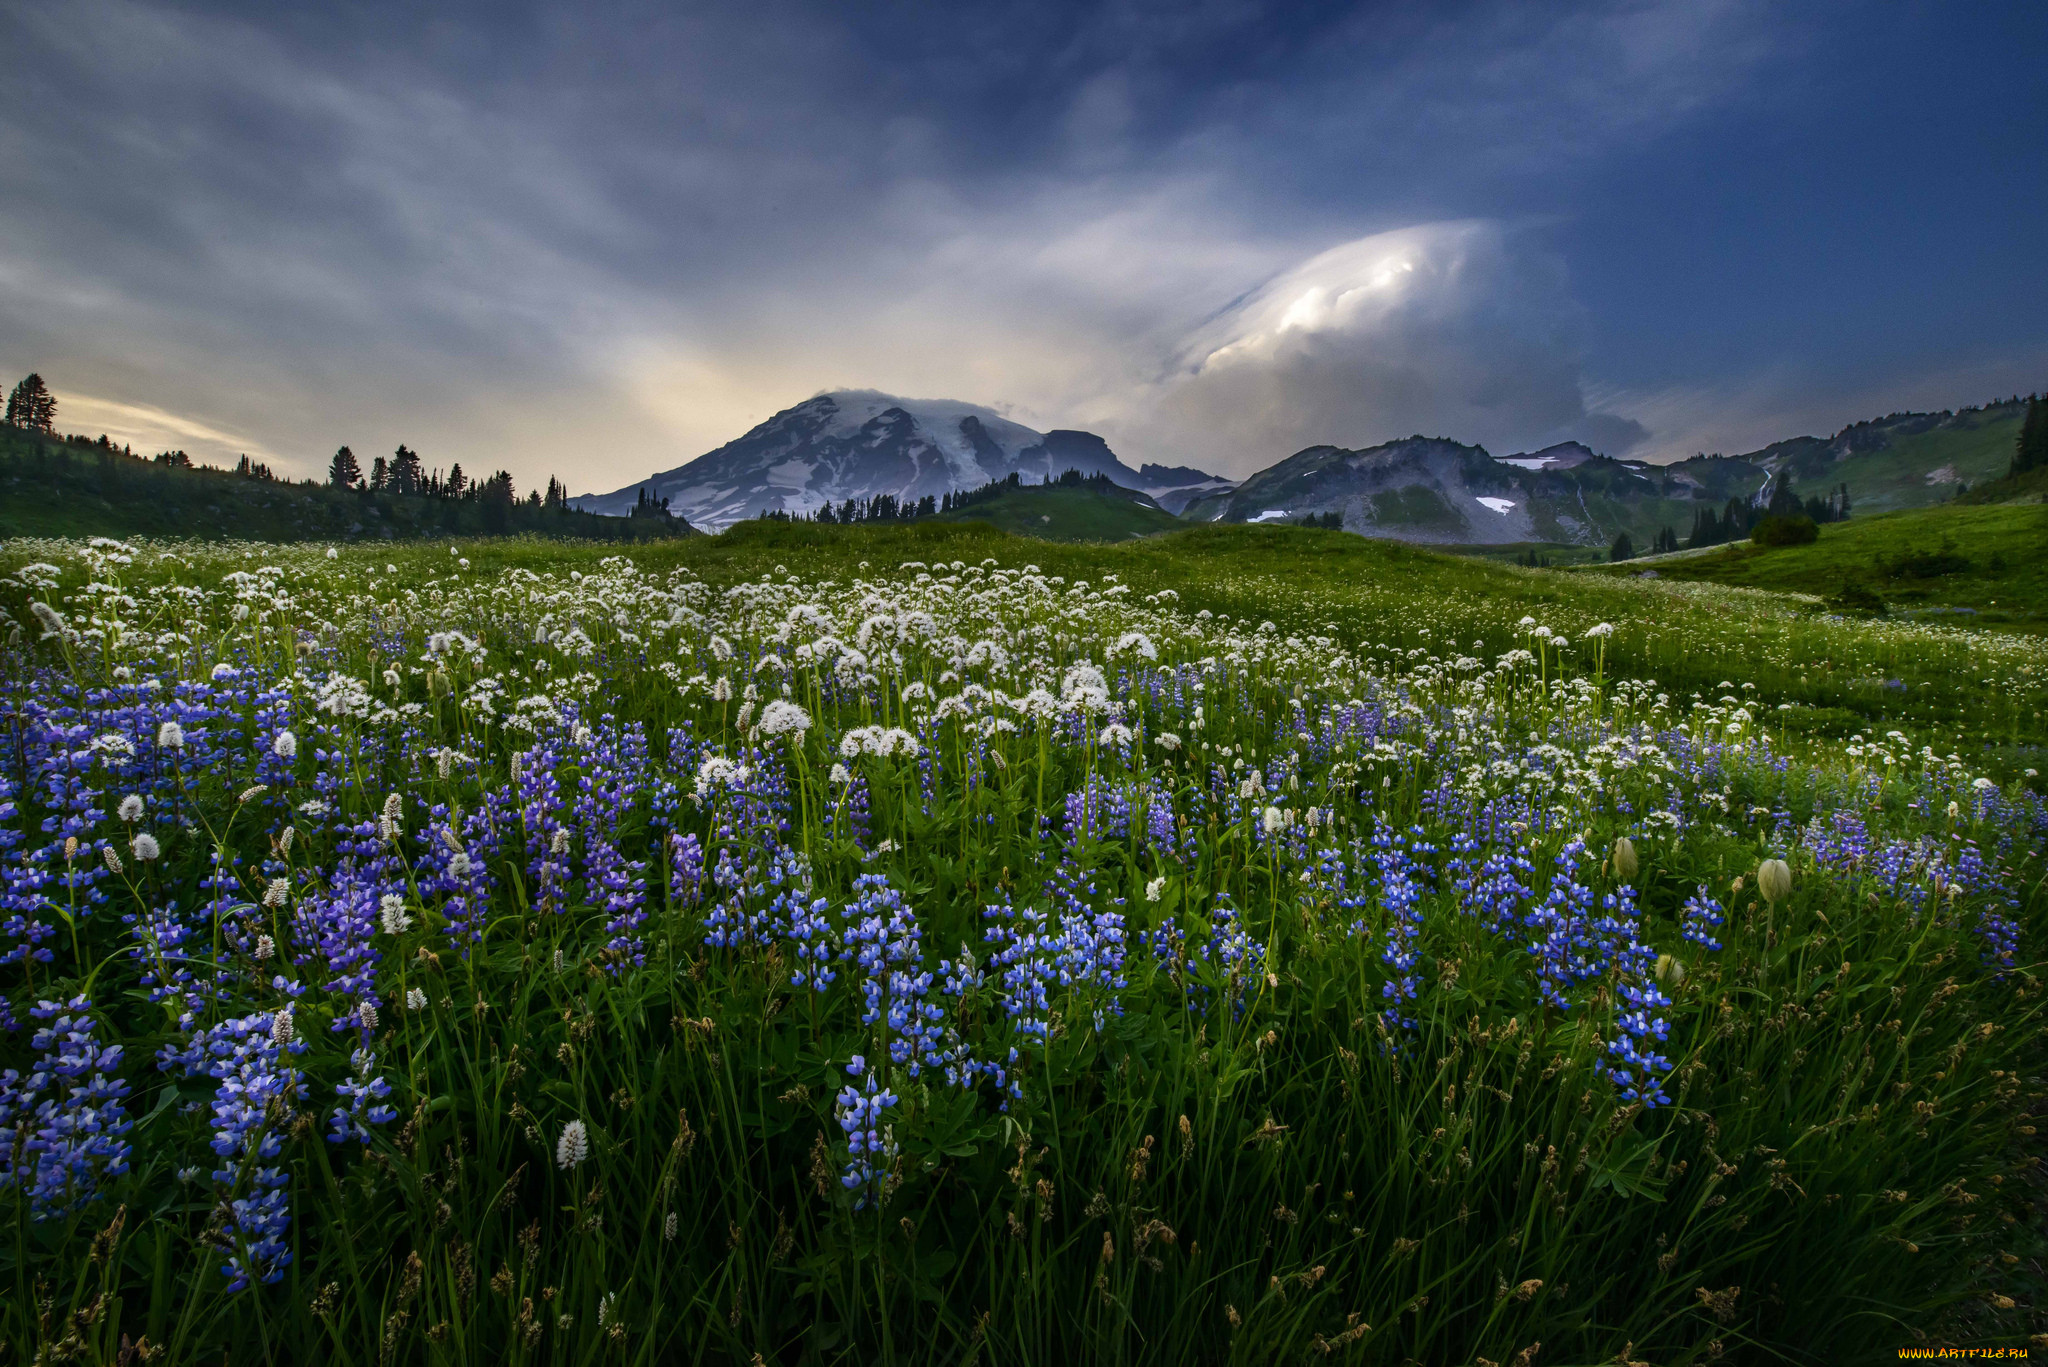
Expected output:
(783, 718)
(144, 847)
(574, 1145)
(285, 746)
(392, 914)
(131, 808)
(170, 736)
(716, 772)
(1085, 689)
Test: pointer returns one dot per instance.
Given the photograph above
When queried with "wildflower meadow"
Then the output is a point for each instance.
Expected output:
(804, 946)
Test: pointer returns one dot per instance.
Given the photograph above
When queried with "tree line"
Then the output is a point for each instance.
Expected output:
(2031, 450)
(891, 508)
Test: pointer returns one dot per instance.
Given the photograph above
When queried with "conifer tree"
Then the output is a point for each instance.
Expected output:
(2030, 453)
(406, 475)
(32, 406)
(380, 476)
(343, 472)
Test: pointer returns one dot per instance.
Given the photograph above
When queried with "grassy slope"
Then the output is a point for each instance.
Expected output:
(1056, 514)
(1982, 691)
(1979, 447)
(2001, 580)
(48, 488)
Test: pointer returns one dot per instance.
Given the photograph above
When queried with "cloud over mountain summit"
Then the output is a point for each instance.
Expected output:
(1443, 329)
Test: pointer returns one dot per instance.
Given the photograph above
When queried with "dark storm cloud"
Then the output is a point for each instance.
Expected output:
(596, 239)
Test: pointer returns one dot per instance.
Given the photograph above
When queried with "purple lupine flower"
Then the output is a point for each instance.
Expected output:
(1699, 918)
(1401, 888)
(61, 1127)
(869, 1141)
(882, 937)
(1563, 944)
(810, 926)
(685, 870)
(340, 924)
(613, 758)
(1238, 959)
(249, 1111)
(362, 1094)
(1026, 963)
(1091, 939)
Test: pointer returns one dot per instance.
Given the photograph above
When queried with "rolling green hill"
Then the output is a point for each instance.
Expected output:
(1906, 460)
(1056, 513)
(54, 487)
(1987, 566)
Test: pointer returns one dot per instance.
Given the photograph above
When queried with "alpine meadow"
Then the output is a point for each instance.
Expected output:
(1252, 944)
(765, 683)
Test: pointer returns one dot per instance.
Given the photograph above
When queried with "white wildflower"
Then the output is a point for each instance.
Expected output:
(392, 914)
(574, 1145)
(281, 1027)
(1155, 889)
(415, 999)
(780, 718)
(144, 847)
(170, 736)
(716, 772)
(285, 746)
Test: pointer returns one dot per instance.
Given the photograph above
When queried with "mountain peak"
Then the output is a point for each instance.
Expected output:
(858, 444)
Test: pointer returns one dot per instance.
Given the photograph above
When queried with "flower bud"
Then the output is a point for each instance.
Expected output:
(1670, 970)
(1626, 865)
(1774, 880)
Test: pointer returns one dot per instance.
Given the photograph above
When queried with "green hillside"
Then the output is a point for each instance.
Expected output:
(57, 487)
(1984, 565)
(1057, 513)
(1907, 460)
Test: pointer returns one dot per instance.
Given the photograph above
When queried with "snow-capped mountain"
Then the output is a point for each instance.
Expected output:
(857, 444)
(1433, 490)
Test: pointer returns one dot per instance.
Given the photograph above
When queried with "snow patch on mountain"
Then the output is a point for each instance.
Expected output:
(858, 444)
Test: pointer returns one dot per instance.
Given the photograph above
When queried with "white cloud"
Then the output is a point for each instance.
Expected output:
(149, 430)
(1446, 329)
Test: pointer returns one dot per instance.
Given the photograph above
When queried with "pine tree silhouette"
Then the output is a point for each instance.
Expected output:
(343, 472)
(32, 406)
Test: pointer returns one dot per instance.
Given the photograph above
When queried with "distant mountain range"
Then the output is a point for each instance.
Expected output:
(857, 444)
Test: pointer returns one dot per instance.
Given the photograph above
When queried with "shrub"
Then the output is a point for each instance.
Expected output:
(1785, 531)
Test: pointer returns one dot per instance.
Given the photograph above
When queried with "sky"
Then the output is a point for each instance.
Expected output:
(595, 240)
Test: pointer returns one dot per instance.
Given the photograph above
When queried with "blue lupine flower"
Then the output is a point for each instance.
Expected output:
(61, 1126)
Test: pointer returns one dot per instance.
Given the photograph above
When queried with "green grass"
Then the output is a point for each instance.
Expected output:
(1554, 554)
(1988, 565)
(1979, 448)
(1057, 514)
